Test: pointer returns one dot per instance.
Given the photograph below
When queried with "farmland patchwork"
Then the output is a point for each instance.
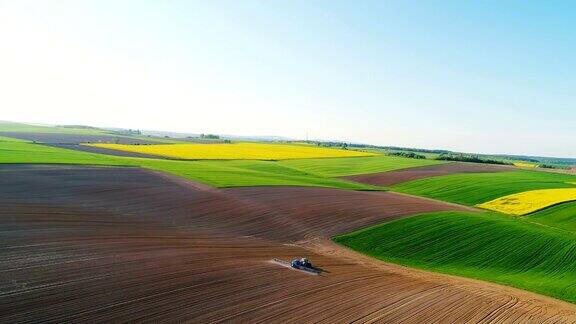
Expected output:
(311, 197)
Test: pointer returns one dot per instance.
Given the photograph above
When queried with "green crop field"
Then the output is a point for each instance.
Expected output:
(215, 173)
(10, 139)
(475, 188)
(26, 128)
(485, 246)
(561, 216)
(339, 167)
(159, 140)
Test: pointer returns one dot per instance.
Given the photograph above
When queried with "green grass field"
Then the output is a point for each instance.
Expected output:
(485, 246)
(475, 188)
(339, 167)
(560, 216)
(214, 173)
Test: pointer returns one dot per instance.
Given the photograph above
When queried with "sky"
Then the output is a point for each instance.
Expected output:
(471, 76)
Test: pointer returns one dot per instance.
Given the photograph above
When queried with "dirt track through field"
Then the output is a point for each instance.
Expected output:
(394, 177)
(111, 244)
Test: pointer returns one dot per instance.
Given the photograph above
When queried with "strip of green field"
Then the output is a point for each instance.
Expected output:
(560, 216)
(476, 188)
(25, 128)
(214, 173)
(339, 167)
(10, 139)
(486, 246)
(155, 139)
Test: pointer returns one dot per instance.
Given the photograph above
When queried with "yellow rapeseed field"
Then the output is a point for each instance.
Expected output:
(236, 151)
(525, 165)
(530, 201)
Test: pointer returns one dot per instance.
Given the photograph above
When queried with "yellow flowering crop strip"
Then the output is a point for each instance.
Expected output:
(525, 165)
(530, 201)
(236, 151)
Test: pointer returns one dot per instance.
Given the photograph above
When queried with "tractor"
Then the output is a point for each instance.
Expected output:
(302, 264)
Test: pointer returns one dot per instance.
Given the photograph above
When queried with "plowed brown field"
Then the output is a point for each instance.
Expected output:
(111, 244)
(57, 138)
(394, 177)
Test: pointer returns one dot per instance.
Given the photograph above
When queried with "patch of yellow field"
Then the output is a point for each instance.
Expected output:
(237, 151)
(525, 165)
(530, 201)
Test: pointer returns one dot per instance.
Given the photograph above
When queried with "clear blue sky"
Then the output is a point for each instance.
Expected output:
(475, 76)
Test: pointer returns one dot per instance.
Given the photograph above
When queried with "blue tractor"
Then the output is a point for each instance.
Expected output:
(302, 264)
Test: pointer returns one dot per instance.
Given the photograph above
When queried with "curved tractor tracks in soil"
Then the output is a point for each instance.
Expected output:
(111, 244)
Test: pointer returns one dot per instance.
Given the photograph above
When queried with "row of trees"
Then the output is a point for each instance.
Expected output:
(209, 136)
(470, 158)
(410, 155)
